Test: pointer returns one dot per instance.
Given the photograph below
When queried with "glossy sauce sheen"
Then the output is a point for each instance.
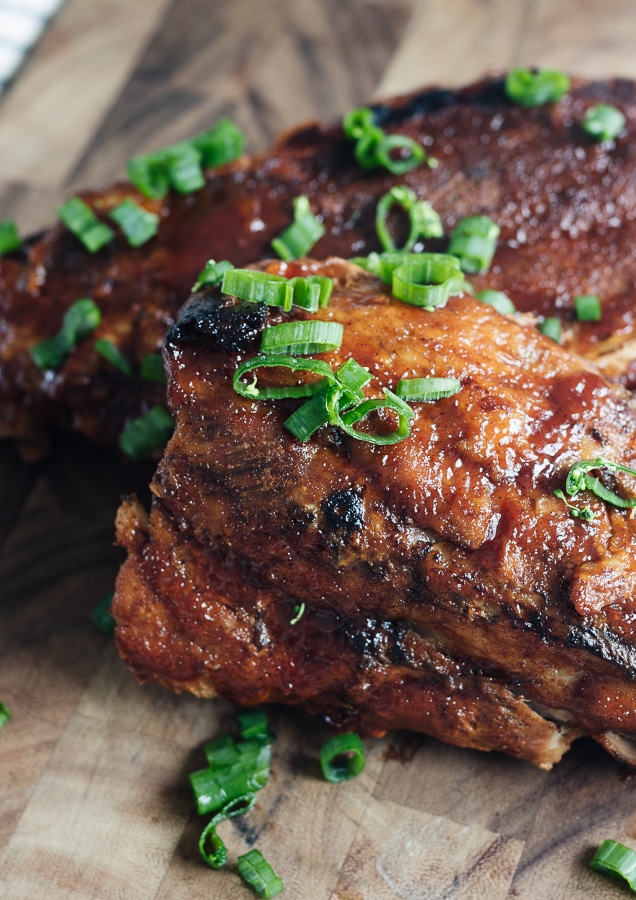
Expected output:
(565, 204)
(446, 589)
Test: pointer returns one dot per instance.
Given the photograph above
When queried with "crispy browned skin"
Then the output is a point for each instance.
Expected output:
(565, 204)
(447, 589)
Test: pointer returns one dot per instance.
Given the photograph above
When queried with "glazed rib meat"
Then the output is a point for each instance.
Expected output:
(436, 584)
(566, 206)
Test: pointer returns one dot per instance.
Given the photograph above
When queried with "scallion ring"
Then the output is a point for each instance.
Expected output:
(211, 274)
(302, 338)
(498, 300)
(300, 237)
(603, 122)
(258, 287)
(551, 328)
(80, 320)
(146, 434)
(419, 390)
(613, 858)
(423, 220)
(113, 354)
(80, 219)
(311, 292)
(404, 413)
(534, 88)
(137, 224)
(473, 242)
(578, 479)
(342, 758)
(253, 724)
(588, 308)
(211, 847)
(258, 873)
(252, 392)
(428, 282)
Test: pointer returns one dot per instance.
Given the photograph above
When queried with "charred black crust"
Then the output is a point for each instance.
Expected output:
(222, 327)
(486, 94)
(343, 512)
(605, 644)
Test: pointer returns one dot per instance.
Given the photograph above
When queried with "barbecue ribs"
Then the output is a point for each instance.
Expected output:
(444, 588)
(566, 206)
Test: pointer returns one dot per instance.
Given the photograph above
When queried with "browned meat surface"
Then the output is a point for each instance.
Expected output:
(446, 589)
(566, 206)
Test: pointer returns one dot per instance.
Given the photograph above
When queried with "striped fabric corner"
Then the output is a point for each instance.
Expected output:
(22, 23)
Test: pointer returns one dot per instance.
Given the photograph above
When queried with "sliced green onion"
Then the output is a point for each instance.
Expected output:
(137, 223)
(392, 402)
(113, 354)
(180, 165)
(299, 238)
(211, 274)
(10, 239)
(5, 714)
(252, 392)
(384, 264)
(152, 368)
(258, 287)
(473, 242)
(603, 122)
(429, 282)
(498, 300)
(616, 860)
(374, 148)
(353, 377)
(423, 389)
(551, 328)
(299, 612)
(221, 752)
(214, 787)
(147, 434)
(342, 757)
(423, 220)
(80, 319)
(528, 88)
(258, 873)
(309, 417)
(578, 480)
(211, 847)
(254, 725)
(588, 308)
(220, 145)
(326, 405)
(302, 338)
(311, 292)
(102, 616)
(80, 219)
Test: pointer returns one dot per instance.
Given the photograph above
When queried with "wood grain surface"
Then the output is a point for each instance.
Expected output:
(94, 801)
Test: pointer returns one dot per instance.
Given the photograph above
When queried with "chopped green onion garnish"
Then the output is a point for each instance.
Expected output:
(603, 122)
(147, 434)
(617, 860)
(219, 145)
(423, 389)
(254, 725)
(342, 757)
(211, 847)
(428, 282)
(423, 220)
(5, 714)
(212, 274)
(551, 328)
(101, 614)
(578, 480)
(258, 287)
(299, 238)
(588, 308)
(384, 264)
(392, 402)
(302, 338)
(180, 165)
(217, 785)
(82, 221)
(311, 292)
(80, 319)
(498, 300)
(257, 872)
(528, 88)
(252, 392)
(299, 612)
(137, 223)
(152, 368)
(113, 354)
(374, 148)
(577, 512)
(473, 242)
(309, 417)
(10, 239)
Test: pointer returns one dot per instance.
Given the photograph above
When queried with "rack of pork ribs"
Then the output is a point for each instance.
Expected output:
(445, 588)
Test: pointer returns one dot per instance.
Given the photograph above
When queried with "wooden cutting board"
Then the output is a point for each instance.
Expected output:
(94, 798)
